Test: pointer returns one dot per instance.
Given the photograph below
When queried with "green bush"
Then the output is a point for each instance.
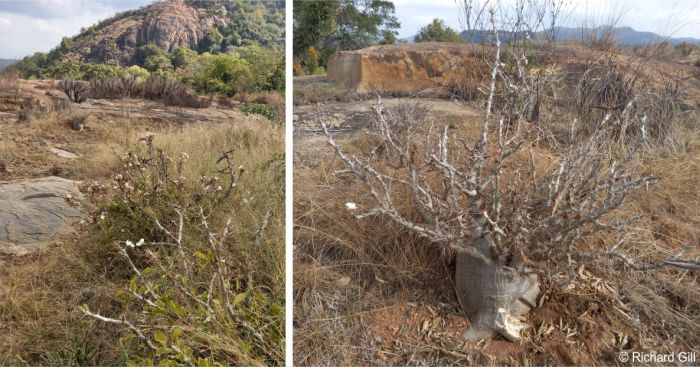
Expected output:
(212, 41)
(160, 62)
(267, 66)
(260, 109)
(182, 56)
(227, 74)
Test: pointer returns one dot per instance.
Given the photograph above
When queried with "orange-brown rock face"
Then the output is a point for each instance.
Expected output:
(407, 68)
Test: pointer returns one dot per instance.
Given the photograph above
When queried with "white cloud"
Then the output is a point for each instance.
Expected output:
(32, 26)
(44, 26)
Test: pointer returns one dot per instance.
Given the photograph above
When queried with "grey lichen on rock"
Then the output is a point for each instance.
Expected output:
(35, 211)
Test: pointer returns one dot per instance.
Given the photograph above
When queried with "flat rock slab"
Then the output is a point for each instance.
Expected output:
(64, 153)
(32, 212)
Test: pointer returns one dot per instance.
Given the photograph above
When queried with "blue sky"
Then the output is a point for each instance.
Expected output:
(679, 18)
(28, 26)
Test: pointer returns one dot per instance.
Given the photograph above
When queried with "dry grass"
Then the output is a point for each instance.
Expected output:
(322, 91)
(348, 271)
(40, 295)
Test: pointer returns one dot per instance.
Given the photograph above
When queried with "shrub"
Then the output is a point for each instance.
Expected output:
(191, 300)
(75, 90)
(212, 41)
(182, 56)
(261, 109)
(137, 72)
(438, 31)
(312, 60)
(169, 91)
(226, 74)
(155, 63)
(267, 67)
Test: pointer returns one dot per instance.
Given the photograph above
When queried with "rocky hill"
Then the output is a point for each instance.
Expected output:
(195, 24)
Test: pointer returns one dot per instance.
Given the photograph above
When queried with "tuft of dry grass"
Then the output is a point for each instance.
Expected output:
(322, 91)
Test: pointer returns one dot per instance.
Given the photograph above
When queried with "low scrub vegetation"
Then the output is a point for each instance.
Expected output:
(261, 109)
(181, 262)
(241, 69)
(554, 190)
(168, 91)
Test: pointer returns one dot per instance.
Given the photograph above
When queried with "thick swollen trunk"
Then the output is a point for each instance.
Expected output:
(495, 297)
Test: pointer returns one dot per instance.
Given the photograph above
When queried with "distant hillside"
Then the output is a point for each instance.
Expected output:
(214, 46)
(6, 62)
(203, 25)
(623, 35)
(200, 25)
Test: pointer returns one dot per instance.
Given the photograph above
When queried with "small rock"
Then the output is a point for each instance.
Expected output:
(64, 153)
(342, 282)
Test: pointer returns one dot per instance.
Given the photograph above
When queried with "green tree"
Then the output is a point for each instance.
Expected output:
(158, 62)
(363, 23)
(438, 31)
(66, 45)
(153, 58)
(227, 74)
(182, 56)
(137, 72)
(212, 41)
(313, 21)
(335, 25)
(143, 52)
(267, 67)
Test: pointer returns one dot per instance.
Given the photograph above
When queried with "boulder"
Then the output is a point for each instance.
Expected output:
(408, 68)
(35, 211)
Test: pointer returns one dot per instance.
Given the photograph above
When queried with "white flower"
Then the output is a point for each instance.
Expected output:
(103, 216)
(350, 205)
(129, 244)
(140, 243)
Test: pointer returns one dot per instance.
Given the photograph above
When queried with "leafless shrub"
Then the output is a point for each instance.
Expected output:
(106, 89)
(30, 109)
(186, 285)
(168, 91)
(605, 87)
(25, 113)
(156, 88)
(184, 96)
(512, 218)
(61, 104)
(74, 89)
(76, 121)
